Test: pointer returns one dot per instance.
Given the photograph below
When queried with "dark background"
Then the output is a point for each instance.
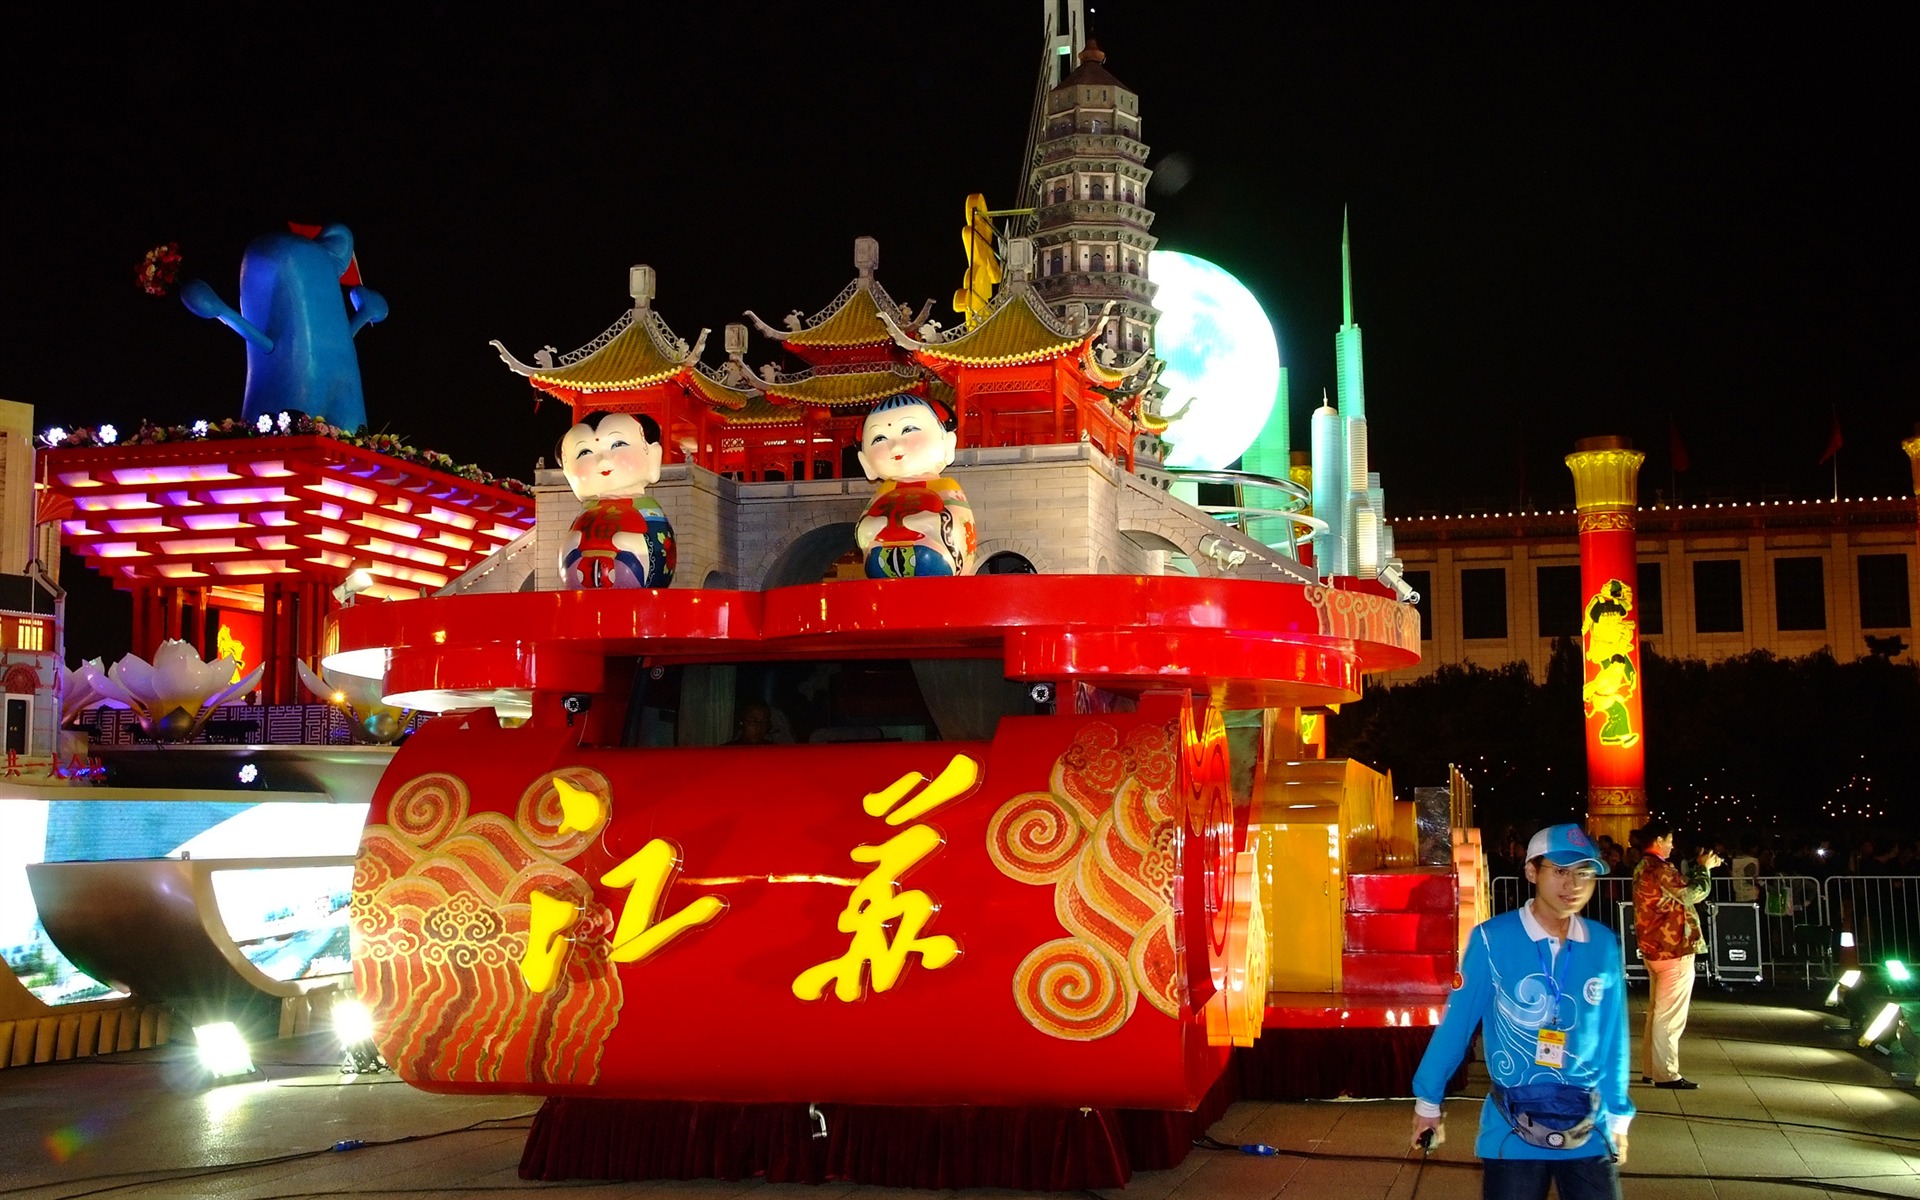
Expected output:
(1565, 222)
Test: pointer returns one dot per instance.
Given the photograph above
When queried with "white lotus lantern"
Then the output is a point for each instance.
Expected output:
(374, 720)
(172, 696)
(77, 694)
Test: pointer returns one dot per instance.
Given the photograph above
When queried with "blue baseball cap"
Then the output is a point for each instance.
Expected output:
(1565, 846)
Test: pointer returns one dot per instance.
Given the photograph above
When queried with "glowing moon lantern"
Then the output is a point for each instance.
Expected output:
(1220, 352)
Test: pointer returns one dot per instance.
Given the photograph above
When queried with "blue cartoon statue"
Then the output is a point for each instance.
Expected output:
(299, 337)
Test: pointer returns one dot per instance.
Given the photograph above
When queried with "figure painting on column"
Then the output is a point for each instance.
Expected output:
(623, 538)
(919, 522)
(1607, 631)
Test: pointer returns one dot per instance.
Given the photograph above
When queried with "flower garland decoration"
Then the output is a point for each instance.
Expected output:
(160, 269)
(285, 425)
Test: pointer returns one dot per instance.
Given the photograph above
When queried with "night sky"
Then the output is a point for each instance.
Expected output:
(1565, 223)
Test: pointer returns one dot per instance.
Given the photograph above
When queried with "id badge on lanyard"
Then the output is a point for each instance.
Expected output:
(1550, 1048)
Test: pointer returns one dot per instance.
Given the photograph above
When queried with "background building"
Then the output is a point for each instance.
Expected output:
(1716, 580)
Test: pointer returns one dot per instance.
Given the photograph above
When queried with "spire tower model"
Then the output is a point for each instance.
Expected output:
(1346, 491)
(1089, 185)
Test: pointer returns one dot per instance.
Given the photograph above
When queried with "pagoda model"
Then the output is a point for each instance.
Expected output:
(1089, 187)
(1605, 473)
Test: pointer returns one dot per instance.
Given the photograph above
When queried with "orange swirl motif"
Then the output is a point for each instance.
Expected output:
(440, 920)
(424, 808)
(1104, 838)
(1034, 837)
(1069, 989)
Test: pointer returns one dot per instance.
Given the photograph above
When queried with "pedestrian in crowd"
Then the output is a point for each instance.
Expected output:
(1667, 926)
(1544, 987)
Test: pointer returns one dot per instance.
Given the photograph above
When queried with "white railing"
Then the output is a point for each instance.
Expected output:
(1882, 911)
(1798, 917)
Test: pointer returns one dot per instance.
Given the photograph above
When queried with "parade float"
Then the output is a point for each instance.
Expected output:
(876, 770)
(876, 764)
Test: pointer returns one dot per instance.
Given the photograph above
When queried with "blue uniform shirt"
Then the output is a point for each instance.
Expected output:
(1507, 987)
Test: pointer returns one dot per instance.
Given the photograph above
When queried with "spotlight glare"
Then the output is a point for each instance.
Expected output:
(1880, 1025)
(352, 1022)
(1850, 977)
(1897, 971)
(223, 1052)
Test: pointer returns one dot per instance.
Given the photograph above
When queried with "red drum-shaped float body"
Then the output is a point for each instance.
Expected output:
(1045, 919)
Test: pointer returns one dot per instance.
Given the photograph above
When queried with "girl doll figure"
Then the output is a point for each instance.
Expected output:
(622, 539)
(919, 522)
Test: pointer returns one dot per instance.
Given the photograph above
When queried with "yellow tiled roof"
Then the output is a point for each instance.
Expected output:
(845, 390)
(854, 323)
(632, 359)
(718, 394)
(761, 411)
(1012, 333)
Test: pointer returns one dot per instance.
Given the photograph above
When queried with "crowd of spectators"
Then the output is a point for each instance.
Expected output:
(1800, 853)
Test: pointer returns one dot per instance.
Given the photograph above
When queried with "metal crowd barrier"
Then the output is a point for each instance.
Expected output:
(1883, 911)
(1797, 915)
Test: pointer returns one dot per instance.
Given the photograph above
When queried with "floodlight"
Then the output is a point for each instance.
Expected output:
(1897, 971)
(1881, 1025)
(223, 1051)
(358, 580)
(1846, 939)
(353, 1026)
(1849, 979)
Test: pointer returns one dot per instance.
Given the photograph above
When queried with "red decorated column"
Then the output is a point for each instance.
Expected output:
(1605, 474)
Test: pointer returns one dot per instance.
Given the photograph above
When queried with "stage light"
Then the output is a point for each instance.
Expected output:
(357, 581)
(1846, 939)
(223, 1052)
(353, 1026)
(1897, 971)
(1881, 1025)
(1849, 979)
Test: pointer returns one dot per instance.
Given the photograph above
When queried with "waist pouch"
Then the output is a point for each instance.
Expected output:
(1553, 1116)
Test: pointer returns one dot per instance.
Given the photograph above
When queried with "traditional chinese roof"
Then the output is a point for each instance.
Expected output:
(1092, 71)
(636, 351)
(852, 319)
(759, 410)
(721, 390)
(841, 389)
(1019, 328)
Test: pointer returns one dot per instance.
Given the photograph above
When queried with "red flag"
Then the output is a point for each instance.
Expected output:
(1833, 441)
(1679, 448)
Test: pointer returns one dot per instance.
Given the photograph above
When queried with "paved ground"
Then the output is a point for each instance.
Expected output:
(1784, 1103)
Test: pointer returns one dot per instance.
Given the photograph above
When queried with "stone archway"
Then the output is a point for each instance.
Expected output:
(21, 680)
(807, 557)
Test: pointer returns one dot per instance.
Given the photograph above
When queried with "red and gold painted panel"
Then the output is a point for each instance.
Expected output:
(1058, 916)
(1610, 689)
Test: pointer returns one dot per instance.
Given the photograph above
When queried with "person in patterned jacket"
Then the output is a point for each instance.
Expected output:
(1667, 926)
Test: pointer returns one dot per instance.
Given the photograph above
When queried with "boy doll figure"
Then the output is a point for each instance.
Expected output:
(623, 538)
(919, 522)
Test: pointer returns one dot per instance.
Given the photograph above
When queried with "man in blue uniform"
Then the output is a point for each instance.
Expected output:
(1545, 988)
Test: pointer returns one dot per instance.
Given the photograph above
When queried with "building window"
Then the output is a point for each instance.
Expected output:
(1099, 261)
(1422, 582)
(1799, 594)
(1056, 263)
(1884, 599)
(1483, 602)
(1717, 603)
(30, 635)
(1559, 601)
(1059, 195)
(1650, 600)
(1097, 190)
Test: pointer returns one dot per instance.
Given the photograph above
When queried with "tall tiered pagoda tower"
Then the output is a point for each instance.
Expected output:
(1089, 185)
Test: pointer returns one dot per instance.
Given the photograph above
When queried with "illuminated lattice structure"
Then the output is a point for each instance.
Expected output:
(255, 534)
